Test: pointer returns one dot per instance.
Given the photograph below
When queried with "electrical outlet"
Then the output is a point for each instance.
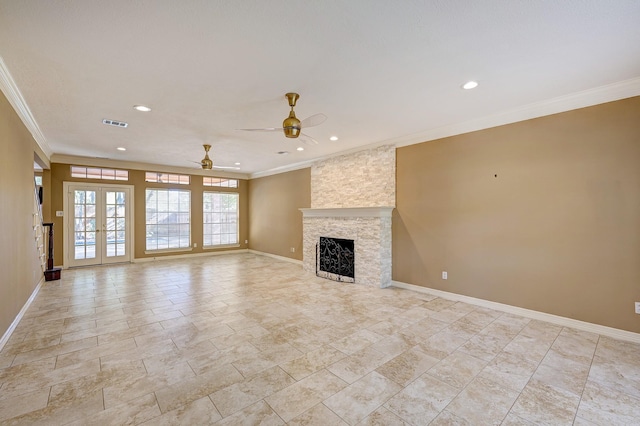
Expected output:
(195, 245)
(637, 307)
(59, 213)
(293, 249)
(246, 241)
(444, 275)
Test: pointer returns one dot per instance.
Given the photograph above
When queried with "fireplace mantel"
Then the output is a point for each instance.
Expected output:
(349, 212)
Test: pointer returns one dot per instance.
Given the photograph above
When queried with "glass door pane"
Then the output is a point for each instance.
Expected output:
(84, 240)
(115, 223)
(85, 225)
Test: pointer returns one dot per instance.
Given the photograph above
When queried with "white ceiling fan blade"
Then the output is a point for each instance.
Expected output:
(226, 167)
(313, 120)
(266, 129)
(307, 139)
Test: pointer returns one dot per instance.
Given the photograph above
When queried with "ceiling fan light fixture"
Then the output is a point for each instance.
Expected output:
(141, 108)
(470, 85)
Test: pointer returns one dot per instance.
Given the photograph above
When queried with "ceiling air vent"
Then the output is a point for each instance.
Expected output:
(115, 123)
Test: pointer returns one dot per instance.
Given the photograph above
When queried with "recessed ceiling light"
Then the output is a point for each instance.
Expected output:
(333, 138)
(237, 164)
(283, 152)
(470, 85)
(142, 108)
(300, 148)
(120, 148)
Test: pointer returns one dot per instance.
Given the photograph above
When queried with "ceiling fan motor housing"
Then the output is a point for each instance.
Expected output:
(291, 126)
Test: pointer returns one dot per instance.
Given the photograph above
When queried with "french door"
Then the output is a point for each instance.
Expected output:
(98, 224)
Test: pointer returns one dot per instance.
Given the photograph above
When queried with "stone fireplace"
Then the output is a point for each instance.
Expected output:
(370, 230)
(352, 198)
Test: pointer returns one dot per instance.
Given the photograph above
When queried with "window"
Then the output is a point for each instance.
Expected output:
(168, 215)
(220, 218)
(226, 183)
(166, 178)
(97, 173)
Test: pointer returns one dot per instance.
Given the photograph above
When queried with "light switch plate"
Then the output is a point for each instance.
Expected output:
(59, 213)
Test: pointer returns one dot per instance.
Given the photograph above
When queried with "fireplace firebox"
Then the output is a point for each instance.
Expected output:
(336, 259)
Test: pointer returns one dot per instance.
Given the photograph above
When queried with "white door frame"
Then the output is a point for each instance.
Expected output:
(129, 227)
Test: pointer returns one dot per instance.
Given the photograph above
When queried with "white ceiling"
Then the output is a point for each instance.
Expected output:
(381, 70)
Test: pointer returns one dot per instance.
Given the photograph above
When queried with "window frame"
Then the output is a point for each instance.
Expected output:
(181, 246)
(210, 246)
(104, 173)
(217, 182)
(171, 178)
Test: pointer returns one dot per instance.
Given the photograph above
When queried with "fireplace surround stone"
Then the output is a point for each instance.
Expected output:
(369, 227)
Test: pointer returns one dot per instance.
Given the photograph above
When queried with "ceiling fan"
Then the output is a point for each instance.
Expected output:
(207, 164)
(291, 126)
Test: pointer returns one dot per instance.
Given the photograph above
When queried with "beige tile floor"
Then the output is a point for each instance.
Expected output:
(246, 339)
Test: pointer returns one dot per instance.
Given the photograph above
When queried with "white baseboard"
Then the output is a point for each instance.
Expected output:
(614, 333)
(18, 318)
(187, 255)
(275, 256)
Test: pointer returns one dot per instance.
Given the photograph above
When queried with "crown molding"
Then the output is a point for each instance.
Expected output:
(132, 165)
(14, 96)
(309, 163)
(283, 169)
(586, 98)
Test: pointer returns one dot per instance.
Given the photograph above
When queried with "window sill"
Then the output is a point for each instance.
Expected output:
(221, 246)
(171, 250)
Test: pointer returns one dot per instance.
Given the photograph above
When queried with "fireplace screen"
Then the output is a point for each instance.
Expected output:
(336, 259)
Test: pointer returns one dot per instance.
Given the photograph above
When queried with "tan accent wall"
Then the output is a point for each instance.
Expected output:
(542, 214)
(62, 173)
(275, 223)
(20, 270)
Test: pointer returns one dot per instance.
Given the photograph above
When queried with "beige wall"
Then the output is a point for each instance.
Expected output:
(62, 173)
(275, 223)
(20, 270)
(542, 214)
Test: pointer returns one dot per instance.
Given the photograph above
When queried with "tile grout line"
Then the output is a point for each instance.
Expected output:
(584, 387)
